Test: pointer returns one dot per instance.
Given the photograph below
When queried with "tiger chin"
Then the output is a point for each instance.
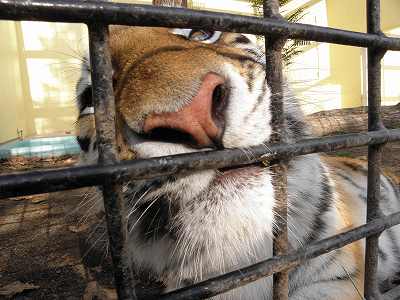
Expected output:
(183, 90)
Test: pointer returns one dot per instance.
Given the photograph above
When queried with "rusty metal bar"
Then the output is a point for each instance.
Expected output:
(109, 171)
(104, 106)
(41, 181)
(273, 58)
(238, 278)
(374, 151)
(147, 15)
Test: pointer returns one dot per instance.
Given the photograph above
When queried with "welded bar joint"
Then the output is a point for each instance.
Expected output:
(103, 99)
(274, 75)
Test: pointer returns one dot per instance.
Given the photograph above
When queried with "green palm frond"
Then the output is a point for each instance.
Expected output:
(292, 47)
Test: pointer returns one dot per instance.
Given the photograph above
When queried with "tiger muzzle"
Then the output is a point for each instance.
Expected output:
(199, 124)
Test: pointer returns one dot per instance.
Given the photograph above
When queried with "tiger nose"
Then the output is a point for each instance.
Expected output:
(199, 123)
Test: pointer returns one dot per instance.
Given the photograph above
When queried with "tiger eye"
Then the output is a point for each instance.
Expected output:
(200, 35)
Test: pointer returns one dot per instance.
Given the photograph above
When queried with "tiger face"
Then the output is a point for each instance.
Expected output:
(184, 90)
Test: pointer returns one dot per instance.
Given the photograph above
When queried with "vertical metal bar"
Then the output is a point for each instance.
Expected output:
(273, 56)
(374, 151)
(103, 98)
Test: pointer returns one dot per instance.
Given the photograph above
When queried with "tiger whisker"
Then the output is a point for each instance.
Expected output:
(93, 245)
(144, 212)
(134, 208)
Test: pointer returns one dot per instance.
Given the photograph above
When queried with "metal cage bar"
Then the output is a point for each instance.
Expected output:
(104, 107)
(273, 58)
(34, 182)
(147, 15)
(109, 172)
(374, 151)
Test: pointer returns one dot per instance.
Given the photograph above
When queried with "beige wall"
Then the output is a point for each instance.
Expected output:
(331, 76)
(52, 53)
(42, 63)
(11, 96)
(390, 10)
(346, 61)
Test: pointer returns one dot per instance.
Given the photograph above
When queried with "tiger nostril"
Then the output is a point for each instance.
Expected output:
(170, 135)
(219, 102)
(200, 123)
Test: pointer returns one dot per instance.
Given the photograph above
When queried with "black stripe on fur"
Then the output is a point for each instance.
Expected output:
(84, 143)
(241, 39)
(85, 99)
(324, 204)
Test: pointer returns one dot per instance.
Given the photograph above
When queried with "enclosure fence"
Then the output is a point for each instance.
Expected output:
(111, 173)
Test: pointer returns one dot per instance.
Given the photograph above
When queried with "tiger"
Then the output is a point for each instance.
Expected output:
(188, 90)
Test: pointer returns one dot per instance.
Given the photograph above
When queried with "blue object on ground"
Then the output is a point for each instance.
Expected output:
(40, 147)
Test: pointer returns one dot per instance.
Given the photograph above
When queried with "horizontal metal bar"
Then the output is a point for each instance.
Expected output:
(226, 282)
(34, 182)
(147, 15)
